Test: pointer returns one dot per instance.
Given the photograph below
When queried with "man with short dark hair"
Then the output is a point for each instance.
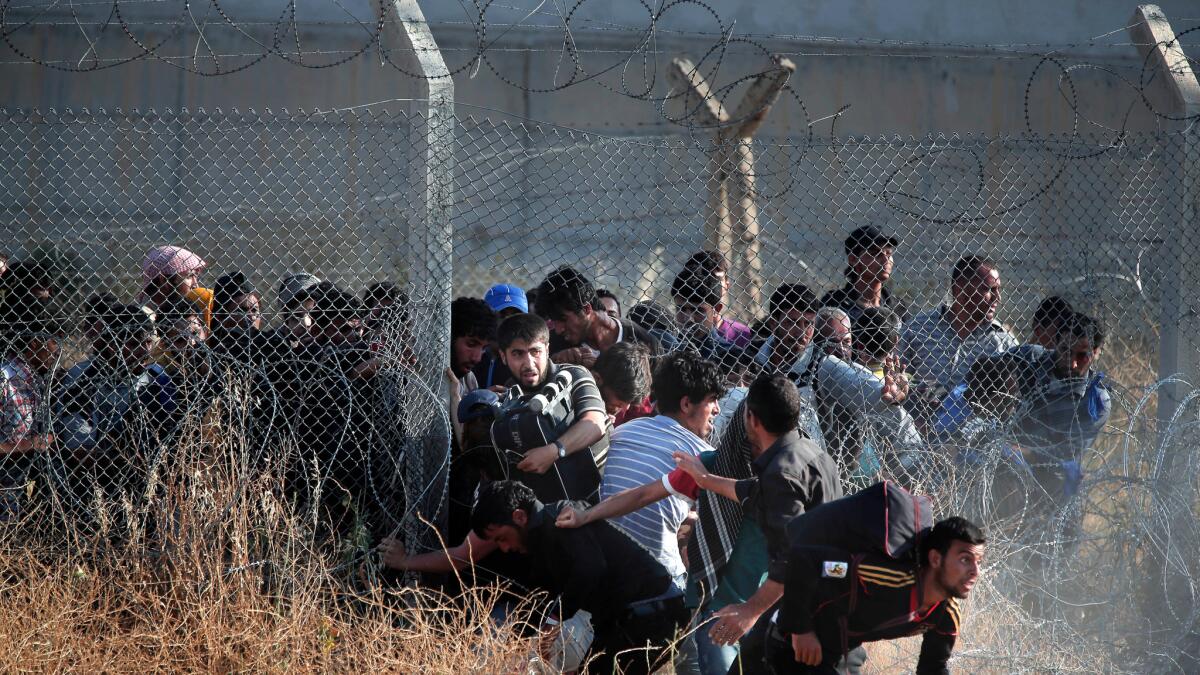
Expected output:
(567, 301)
(636, 610)
(715, 264)
(237, 306)
(641, 452)
(381, 295)
(296, 301)
(623, 375)
(385, 309)
(939, 345)
(834, 600)
(569, 466)
(791, 312)
(791, 476)
(868, 268)
(609, 303)
(698, 306)
(337, 317)
(1050, 314)
(1064, 403)
(472, 326)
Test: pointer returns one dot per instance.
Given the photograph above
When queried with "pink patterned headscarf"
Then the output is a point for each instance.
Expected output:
(167, 261)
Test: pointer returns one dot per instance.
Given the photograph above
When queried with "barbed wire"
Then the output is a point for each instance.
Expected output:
(280, 39)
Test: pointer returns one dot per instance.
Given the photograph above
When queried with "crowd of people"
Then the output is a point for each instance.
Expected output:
(643, 466)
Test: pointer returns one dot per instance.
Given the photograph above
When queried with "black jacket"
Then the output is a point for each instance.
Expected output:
(596, 567)
(850, 599)
(792, 476)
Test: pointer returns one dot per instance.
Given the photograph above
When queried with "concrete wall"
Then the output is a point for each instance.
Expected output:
(528, 199)
(891, 88)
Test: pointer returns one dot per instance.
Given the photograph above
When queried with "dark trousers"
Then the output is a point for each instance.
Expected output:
(780, 659)
(638, 642)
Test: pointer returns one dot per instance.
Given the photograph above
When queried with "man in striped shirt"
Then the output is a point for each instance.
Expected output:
(686, 388)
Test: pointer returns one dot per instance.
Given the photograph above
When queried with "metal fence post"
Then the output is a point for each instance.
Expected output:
(1156, 42)
(430, 233)
(1172, 569)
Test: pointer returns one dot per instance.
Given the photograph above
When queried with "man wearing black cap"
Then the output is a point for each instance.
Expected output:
(868, 268)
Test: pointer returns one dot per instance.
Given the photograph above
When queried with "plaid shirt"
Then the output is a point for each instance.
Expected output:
(22, 395)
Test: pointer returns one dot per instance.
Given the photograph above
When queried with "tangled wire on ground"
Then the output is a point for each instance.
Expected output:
(1105, 581)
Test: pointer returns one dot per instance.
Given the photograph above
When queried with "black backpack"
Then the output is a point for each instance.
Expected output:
(883, 518)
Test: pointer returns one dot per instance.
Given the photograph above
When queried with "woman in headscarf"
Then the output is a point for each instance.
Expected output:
(170, 272)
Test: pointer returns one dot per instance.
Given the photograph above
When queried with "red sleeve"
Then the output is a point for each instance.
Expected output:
(680, 482)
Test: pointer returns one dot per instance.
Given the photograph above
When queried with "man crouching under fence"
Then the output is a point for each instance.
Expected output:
(636, 608)
(833, 600)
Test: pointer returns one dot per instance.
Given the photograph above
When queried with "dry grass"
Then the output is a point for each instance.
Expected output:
(119, 612)
(232, 584)
(227, 581)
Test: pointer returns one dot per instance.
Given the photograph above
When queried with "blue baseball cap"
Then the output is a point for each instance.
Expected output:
(478, 403)
(502, 296)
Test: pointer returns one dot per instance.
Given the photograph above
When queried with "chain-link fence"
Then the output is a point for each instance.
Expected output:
(323, 394)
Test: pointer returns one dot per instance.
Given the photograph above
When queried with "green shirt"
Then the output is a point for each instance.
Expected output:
(746, 569)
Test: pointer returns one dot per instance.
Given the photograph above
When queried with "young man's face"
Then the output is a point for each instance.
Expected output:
(1075, 357)
(376, 310)
(698, 417)
(613, 404)
(466, 353)
(341, 331)
(528, 361)
(979, 294)
(872, 265)
(699, 318)
(243, 313)
(185, 333)
(136, 349)
(793, 330)
(299, 321)
(611, 307)
(573, 326)
(1046, 336)
(958, 570)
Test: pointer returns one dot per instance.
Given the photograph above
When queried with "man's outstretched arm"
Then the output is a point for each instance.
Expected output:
(471, 550)
(620, 504)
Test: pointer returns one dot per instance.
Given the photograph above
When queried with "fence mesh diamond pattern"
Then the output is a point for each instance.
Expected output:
(317, 392)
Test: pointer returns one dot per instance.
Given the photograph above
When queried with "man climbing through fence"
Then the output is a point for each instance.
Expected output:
(835, 600)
